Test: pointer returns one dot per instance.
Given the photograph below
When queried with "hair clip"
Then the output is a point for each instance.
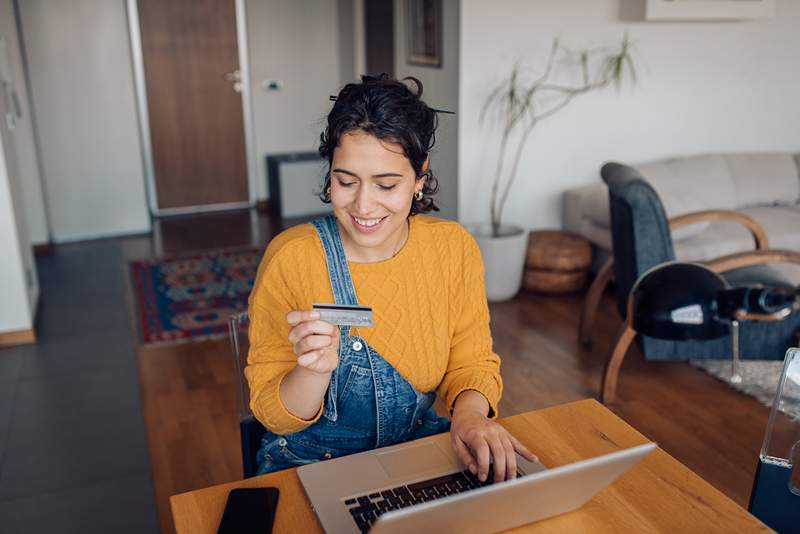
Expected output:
(333, 99)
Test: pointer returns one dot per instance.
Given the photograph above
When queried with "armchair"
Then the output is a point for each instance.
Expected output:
(641, 239)
(606, 272)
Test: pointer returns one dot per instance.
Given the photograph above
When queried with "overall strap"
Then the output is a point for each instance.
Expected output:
(343, 292)
(342, 284)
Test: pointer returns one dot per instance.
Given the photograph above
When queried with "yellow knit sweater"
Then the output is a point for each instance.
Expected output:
(431, 320)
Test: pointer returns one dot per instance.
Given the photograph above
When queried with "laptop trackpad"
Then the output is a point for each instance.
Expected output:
(410, 460)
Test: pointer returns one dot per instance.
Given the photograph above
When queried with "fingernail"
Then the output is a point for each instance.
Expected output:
(314, 315)
(472, 468)
(482, 477)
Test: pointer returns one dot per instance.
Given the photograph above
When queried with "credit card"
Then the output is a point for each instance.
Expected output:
(345, 314)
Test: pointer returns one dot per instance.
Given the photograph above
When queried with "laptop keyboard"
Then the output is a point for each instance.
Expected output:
(366, 509)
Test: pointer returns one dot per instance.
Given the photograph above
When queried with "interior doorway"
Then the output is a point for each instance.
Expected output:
(191, 94)
(379, 36)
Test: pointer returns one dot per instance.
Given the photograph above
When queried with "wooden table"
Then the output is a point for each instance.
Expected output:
(658, 494)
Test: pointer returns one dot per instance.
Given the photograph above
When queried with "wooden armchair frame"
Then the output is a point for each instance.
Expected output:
(719, 265)
(606, 272)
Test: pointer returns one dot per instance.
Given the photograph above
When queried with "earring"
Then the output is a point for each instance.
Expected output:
(328, 192)
(418, 195)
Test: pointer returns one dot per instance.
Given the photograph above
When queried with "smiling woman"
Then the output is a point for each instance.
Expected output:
(372, 207)
(323, 391)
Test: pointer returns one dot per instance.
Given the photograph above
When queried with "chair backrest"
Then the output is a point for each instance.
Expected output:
(775, 498)
(250, 429)
(639, 228)
(238, 325)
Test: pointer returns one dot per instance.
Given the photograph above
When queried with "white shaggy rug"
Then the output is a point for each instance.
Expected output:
(759, 380)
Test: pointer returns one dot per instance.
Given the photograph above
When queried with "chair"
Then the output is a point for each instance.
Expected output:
(641, 240)
(775, 498)
(606, 273)
(250, 429)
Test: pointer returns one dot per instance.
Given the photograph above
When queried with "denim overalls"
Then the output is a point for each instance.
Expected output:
(367, 405)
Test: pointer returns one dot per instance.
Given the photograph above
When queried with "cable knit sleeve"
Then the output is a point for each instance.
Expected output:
(271, 356)
(472, 363)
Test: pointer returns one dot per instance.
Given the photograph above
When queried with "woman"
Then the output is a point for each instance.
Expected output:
(323, 391)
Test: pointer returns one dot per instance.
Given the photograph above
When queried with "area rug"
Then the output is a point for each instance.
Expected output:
(759, 380)
(190, 298)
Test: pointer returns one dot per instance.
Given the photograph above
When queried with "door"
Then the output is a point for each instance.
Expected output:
(191, 66)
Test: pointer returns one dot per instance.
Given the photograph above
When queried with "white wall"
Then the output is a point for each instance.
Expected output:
(703, 87)
(15, 310)
(19, 290)
(297, 42)
(83, 93)
(440, 90)
(27, 163)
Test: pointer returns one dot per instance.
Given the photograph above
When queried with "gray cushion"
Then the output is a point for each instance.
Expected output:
(594, 205)
(596, 234)
(782, 224)
(719, 239)
(764, 178)
(696, 183)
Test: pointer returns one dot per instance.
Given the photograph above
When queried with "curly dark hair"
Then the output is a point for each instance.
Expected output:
(389, 110)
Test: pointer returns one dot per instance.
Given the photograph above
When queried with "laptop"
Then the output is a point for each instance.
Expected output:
(420, 486)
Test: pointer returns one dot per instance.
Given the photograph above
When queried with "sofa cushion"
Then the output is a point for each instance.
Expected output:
(596, 234)
(782, 224)
(761, 179)
(696, 183)
(718, 239)
(594, 205)
(728, 237)
(686, 185)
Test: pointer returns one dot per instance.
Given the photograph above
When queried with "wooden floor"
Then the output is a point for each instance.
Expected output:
(190, 403)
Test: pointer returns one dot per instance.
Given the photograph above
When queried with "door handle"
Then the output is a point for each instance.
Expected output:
(234, 76)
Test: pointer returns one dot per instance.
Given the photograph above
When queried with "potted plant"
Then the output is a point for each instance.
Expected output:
(519, 106)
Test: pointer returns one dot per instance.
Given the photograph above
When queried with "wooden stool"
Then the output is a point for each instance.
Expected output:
(557, 262)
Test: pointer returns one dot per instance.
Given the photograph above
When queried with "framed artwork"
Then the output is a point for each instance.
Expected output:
(709, 9)
(424, 33)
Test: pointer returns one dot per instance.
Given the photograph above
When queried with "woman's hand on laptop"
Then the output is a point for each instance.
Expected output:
(476, 439)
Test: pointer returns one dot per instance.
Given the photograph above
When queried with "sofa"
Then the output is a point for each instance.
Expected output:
(764, 186)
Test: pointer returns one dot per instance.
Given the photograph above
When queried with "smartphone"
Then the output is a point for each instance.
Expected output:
(249, 510)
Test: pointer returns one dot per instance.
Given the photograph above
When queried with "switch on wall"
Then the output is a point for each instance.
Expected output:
(272, 85)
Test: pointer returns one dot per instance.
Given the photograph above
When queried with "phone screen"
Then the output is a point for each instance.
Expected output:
(249, 510)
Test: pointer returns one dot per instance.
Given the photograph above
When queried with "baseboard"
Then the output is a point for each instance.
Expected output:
(18, 337)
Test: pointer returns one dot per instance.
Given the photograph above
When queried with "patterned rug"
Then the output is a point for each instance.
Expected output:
(759, 380)
(190, 298)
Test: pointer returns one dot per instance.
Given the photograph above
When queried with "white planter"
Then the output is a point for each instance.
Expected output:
(503, 259)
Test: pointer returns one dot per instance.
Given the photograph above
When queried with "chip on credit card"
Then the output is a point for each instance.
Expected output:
(345, 314)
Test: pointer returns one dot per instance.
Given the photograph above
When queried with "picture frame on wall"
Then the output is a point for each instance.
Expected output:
(709, 9)
(424, 33)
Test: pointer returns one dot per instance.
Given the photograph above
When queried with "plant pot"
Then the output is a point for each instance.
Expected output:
(503, 259)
